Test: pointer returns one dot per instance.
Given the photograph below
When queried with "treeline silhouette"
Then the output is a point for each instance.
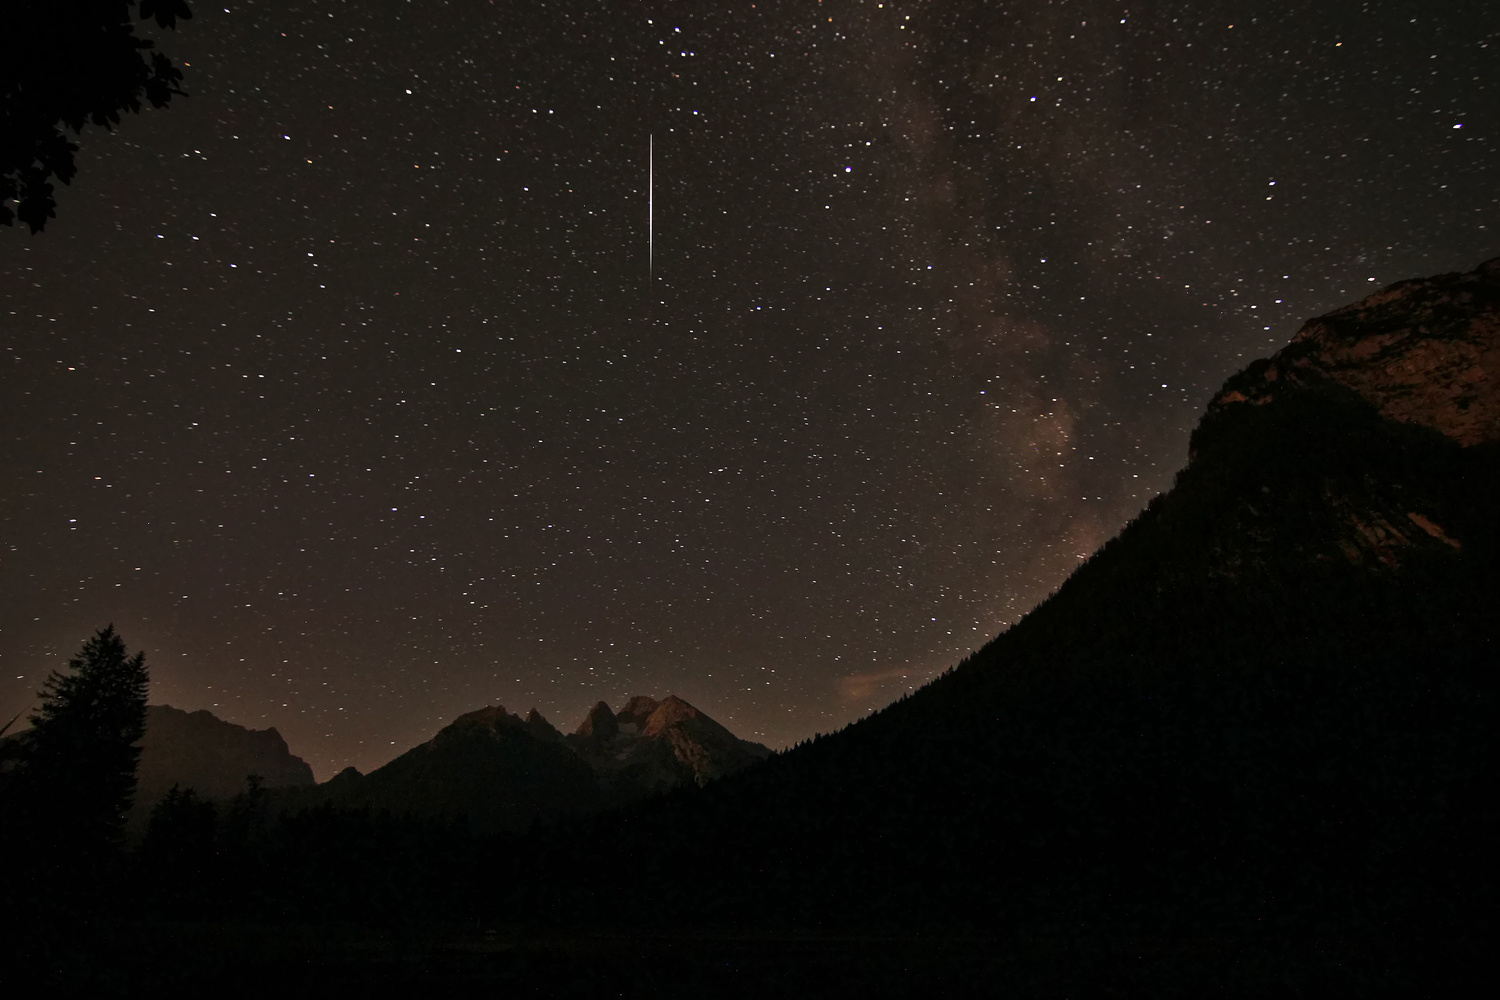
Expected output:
(244, 860)
(1249, 745)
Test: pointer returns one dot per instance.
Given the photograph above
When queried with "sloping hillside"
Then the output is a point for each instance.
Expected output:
(1264, 710)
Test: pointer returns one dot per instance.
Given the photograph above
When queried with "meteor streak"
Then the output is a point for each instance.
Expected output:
(651, 206)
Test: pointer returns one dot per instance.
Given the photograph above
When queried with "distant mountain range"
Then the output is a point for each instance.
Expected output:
(489, 767)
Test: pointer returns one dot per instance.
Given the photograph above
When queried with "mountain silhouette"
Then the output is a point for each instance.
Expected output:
(498, 771)
(658, 746)
(1261, 717)
(198, 750)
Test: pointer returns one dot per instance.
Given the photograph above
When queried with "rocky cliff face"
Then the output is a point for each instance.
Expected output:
(1424, 351)
(1424, 354)
(198, 750)
(658, 745)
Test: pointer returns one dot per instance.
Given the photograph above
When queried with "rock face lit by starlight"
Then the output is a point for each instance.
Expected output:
(1428, 365)
(335, 387)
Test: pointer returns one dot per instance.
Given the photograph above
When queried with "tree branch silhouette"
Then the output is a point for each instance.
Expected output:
(72, 62)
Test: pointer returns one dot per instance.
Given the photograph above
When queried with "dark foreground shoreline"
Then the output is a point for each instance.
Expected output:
(229, 959)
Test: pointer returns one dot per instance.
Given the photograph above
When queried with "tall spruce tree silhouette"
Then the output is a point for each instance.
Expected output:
(77, 770)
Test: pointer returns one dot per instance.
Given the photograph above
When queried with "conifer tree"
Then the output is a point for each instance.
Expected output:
(78, 769)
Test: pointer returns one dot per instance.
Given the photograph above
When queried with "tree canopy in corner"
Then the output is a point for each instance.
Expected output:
(69, 63)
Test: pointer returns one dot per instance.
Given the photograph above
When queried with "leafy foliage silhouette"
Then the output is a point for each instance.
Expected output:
(72, 62)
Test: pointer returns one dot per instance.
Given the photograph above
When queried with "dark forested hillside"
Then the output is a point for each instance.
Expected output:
(1264, 710)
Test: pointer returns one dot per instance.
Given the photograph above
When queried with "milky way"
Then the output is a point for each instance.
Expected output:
(339, 389)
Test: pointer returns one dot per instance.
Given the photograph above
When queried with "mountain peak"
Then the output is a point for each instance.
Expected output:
(1424, 351)
(537, 723)
(670, 712)
(599, 724)
(490, 716)
(344, 777)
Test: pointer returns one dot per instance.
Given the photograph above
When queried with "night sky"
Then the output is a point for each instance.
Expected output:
(360, 390)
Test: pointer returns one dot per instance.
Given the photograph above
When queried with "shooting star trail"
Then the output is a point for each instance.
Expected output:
(651, 207)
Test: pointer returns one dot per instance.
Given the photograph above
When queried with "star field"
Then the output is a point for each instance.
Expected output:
(346, 390)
